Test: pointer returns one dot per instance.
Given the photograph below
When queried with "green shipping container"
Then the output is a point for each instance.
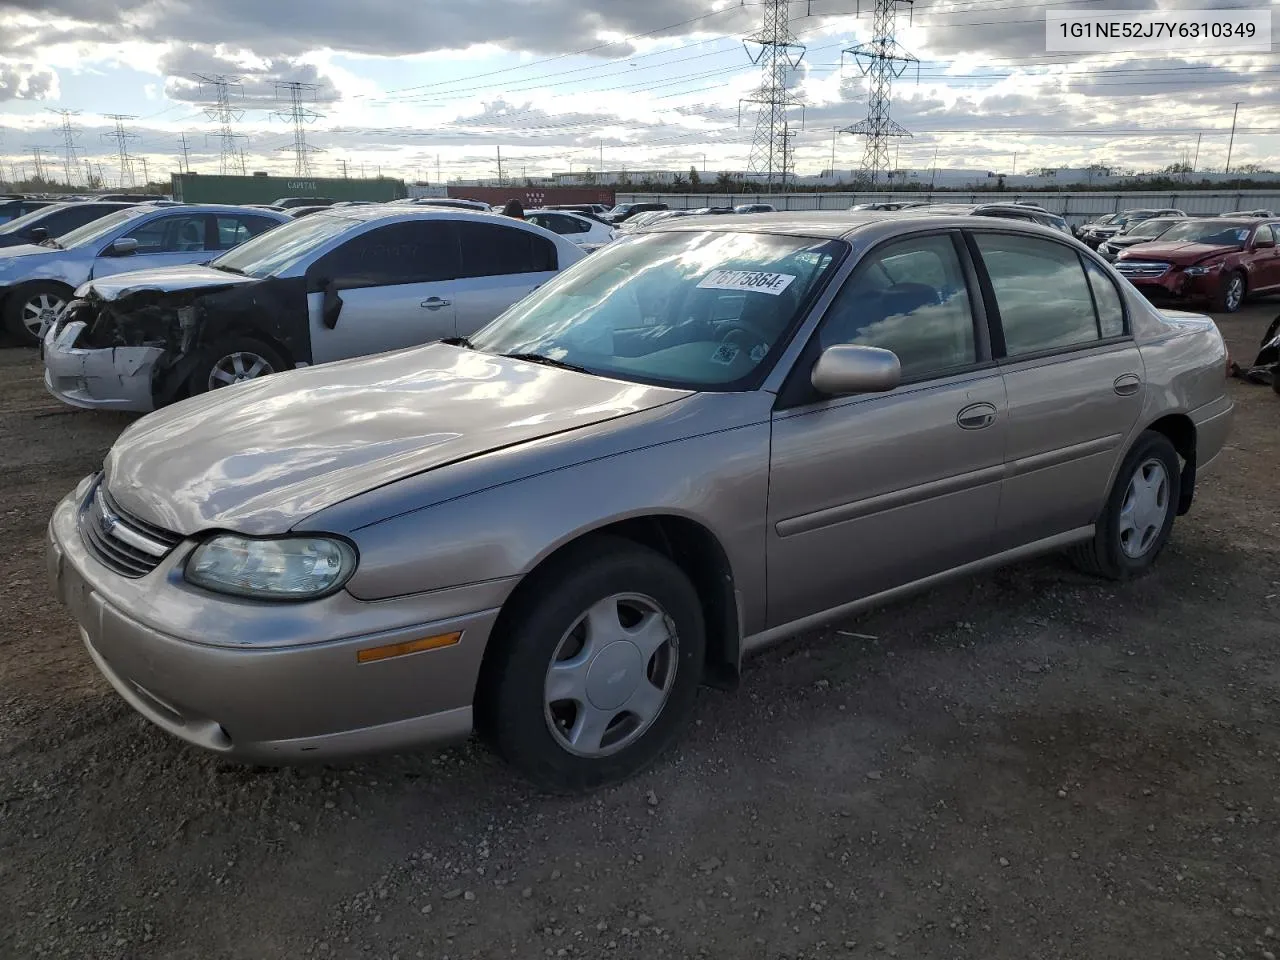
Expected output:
(200, 188)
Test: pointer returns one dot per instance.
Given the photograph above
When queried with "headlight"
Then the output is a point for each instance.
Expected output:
(1201, 269)
(288, 568)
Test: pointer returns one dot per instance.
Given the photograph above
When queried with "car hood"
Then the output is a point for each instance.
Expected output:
(163, 280)
(1179, 252)
(26, 250)
(260, 456)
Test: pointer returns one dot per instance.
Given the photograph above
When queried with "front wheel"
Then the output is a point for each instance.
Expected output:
(1138, 517)
(597, 667)
(1231, 293)
(232, 361)
(32, 308)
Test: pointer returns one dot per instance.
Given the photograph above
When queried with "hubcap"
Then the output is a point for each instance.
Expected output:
(236, 368)
(1235, 292)
(1145, 508)
(610, 675)
(39, 312)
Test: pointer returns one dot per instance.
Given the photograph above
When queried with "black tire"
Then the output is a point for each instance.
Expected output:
(15, 308)
(1104, 555)
(510, 706)
(1223, 301)
(198, 381)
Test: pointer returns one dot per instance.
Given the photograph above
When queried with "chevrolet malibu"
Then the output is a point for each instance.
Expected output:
(698, 441)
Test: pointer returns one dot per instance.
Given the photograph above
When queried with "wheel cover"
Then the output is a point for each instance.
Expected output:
(39, 312)
(1235, 292)
(610, 675)
(238, 367)
(1144, 509)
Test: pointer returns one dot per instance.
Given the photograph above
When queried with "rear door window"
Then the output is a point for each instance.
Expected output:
(413, 251)
(1041, 292)
(494, 250)
(233, 231)
(1106, 298)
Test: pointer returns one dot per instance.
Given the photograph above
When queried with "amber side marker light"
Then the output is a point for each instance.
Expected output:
(409, 646)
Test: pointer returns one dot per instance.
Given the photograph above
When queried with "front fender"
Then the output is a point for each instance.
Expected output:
(718, 480)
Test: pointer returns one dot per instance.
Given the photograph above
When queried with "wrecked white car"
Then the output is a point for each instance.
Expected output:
(342, 283)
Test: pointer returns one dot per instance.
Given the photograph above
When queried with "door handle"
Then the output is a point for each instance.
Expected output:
(1128, 385)
(435, 303)
(976, 416)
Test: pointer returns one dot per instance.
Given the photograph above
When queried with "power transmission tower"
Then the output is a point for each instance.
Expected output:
(779, 53)
(122, 138)
(882, 60)
(299, 115)
(186, 154)
(146, 177)
(788, 154)
(69, 135)
(221, 112)
(37, 156)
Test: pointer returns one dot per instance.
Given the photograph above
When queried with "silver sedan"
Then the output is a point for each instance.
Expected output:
(692, 444)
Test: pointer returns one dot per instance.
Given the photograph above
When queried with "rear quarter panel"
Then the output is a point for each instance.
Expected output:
(1186, 369)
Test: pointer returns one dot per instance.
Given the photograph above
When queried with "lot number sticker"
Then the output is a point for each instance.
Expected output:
(771, 283)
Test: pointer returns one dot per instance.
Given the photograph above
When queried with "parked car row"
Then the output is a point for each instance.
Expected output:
(554, 526)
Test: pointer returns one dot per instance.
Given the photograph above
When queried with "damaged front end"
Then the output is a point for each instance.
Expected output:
(137, 351)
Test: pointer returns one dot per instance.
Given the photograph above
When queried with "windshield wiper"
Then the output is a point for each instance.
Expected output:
(458, 342)
(545, 361)
(228, 269)
(50, 242)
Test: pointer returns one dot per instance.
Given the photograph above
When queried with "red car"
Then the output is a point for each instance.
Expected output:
(1220, 260)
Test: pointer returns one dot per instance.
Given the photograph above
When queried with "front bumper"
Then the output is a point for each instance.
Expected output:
(1176, 285)
(273, 682)
(108, 378)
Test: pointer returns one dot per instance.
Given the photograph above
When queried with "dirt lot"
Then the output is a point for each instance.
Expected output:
(1027, 765)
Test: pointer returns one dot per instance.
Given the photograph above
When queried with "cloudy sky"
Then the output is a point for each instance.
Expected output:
(412, 88)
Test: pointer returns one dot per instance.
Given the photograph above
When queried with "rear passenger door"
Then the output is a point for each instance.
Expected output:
(396, 287)
(873, 491)
(500, 265)
(1073, 376)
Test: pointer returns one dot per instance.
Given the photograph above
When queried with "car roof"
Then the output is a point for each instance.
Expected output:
(835, 224)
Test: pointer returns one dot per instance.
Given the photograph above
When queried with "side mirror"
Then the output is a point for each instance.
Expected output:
(847, 369)
(124, 247)
(39, 234)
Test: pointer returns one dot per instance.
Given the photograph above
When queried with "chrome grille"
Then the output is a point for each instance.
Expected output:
(129, 546)
(1142, 268)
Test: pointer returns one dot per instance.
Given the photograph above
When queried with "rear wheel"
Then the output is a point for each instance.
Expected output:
(1138, 517)
(1231, 293)
(32, 307)
(597, 669)
(234, 360)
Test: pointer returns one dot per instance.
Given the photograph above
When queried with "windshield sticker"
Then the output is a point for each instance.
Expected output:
(758, 352)
(725, 354)
(771, 283)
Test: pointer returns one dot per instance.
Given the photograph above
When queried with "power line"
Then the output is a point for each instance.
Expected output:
(221, 112)
(299, 115)
(122, 137)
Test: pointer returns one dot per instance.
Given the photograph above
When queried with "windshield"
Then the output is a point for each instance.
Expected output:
(269, 253)
(699, 310)
(1150, 228)
(620, 209)
(27, 219)
(97, 229)
(1217, 233)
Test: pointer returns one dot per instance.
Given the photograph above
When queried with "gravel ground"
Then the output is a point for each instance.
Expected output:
(1026, 765)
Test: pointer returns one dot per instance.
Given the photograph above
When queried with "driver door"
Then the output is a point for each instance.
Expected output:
(875, 491)
(170, 240)
(397, 286)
